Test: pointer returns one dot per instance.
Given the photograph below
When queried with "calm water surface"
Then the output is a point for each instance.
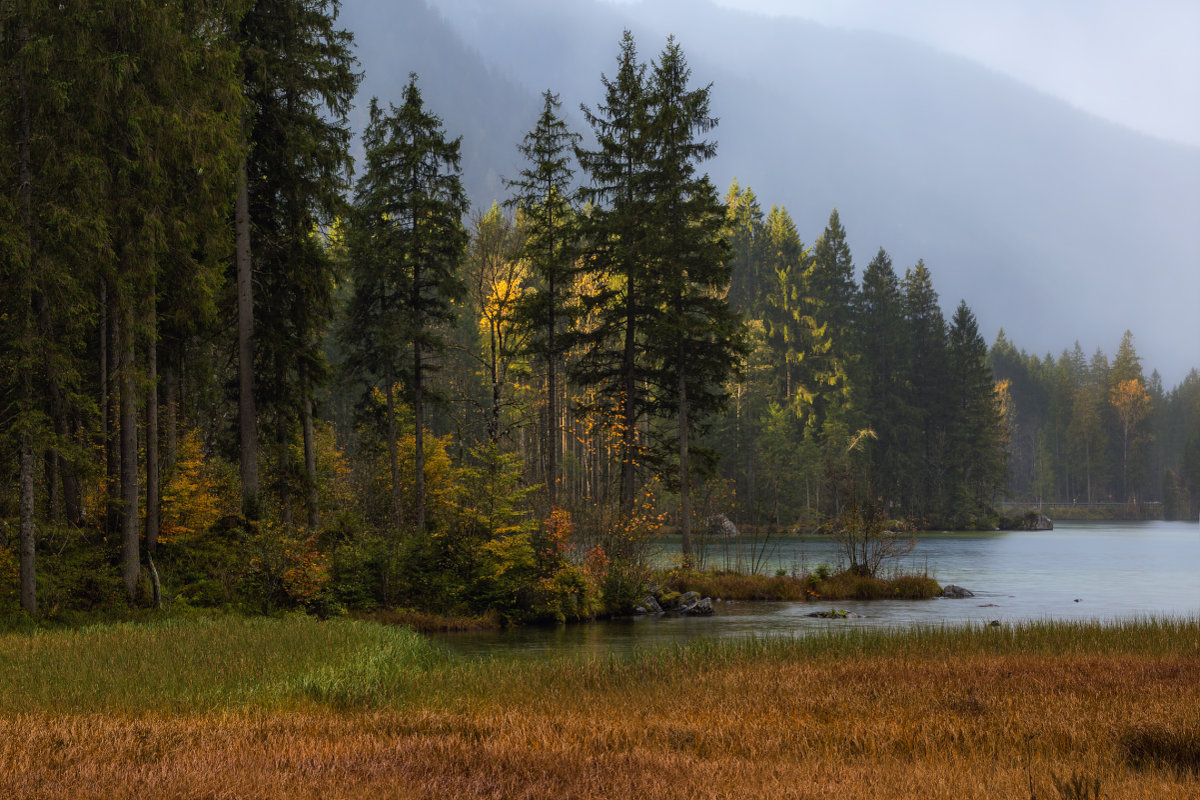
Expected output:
(1107, 571)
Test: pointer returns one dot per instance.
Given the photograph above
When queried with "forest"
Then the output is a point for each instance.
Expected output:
(241, 371)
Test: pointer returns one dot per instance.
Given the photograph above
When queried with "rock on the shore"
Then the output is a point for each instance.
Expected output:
(720, 525)
(650, 605)
(697, 608)
(834, 613)
(956, 592)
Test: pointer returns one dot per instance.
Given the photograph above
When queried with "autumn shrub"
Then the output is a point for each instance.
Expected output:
(285, 569)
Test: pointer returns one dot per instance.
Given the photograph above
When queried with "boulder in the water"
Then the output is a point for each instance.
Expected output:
(720, 525)
(956, 592)
(834, 613)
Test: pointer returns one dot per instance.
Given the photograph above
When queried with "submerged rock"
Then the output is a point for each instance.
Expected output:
(956, 592)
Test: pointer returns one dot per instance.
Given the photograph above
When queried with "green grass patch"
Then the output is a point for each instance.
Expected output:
(233, 662)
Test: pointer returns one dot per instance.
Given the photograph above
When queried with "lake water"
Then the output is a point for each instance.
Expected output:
(1080, 570)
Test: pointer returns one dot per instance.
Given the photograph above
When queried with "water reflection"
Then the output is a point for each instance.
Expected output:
(1077, 571)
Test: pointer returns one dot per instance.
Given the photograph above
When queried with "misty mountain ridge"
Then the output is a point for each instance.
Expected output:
(1051, 223)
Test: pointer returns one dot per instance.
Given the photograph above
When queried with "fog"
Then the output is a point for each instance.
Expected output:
(1053, 224)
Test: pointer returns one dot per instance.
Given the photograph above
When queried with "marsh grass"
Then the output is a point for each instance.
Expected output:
(300, 708)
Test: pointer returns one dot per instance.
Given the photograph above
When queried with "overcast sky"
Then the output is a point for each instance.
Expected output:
(1135, 62)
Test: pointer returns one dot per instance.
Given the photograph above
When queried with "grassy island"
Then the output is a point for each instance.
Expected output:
(300, 708)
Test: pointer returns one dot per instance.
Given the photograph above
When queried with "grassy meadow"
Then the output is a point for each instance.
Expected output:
(300, 708)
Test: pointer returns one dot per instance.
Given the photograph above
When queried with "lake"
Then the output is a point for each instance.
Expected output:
(1080, 570)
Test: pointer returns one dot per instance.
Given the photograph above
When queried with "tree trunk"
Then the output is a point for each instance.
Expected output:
(419, 439)
(393, 450)
(628, 412)
(112, 444)
(310, 453)
(26, 466)
(153, 477)
(247, 415)
(171, 392)
(685, 489)
(130, 555)
(552, 403)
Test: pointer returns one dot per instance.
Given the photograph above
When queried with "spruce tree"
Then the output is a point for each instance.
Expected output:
(974, 439)
(543, 197)
(885, 387)
(299, 77)
(698, 341)
(616, 232)
(406, 244)
(929, 379)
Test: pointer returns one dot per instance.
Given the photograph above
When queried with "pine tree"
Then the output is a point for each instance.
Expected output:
(543, 198)
(406, 243)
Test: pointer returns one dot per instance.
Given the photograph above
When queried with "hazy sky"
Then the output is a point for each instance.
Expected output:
(1136, 62)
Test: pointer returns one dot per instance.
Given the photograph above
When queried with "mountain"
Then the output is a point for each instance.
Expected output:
(1049, 222)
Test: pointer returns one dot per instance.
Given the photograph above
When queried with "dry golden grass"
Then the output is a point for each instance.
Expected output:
(923, 716)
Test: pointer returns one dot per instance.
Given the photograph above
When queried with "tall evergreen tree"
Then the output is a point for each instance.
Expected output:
(885, 374)
(974, 441)
(929, 379)
(299, 78)
(543, 195)
(616, 231)
(406, 243)
(698, 340)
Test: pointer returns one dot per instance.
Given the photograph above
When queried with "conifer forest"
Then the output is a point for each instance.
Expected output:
(241, 369)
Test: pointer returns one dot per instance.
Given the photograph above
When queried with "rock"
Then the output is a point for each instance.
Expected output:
(698, 608)
(1029, 521)
(834, 613)
(639, 610)
(956, 592)
(720, 525)
(688, 597)
(988, 605)
(650, 605)
(994, 623)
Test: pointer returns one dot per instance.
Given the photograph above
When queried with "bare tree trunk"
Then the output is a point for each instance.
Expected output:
(153, 476)
(26, 466)
(130, 543)
(112, 449)
(685, 489)
(171, 392)
(552, 401)
(628, 409)
(393, 450)
(310, 453)
(419, 439)
(247, 415)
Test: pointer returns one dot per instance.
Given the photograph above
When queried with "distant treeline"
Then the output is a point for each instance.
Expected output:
(1087, 430)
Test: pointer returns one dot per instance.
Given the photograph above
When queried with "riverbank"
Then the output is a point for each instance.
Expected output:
(303, 708)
